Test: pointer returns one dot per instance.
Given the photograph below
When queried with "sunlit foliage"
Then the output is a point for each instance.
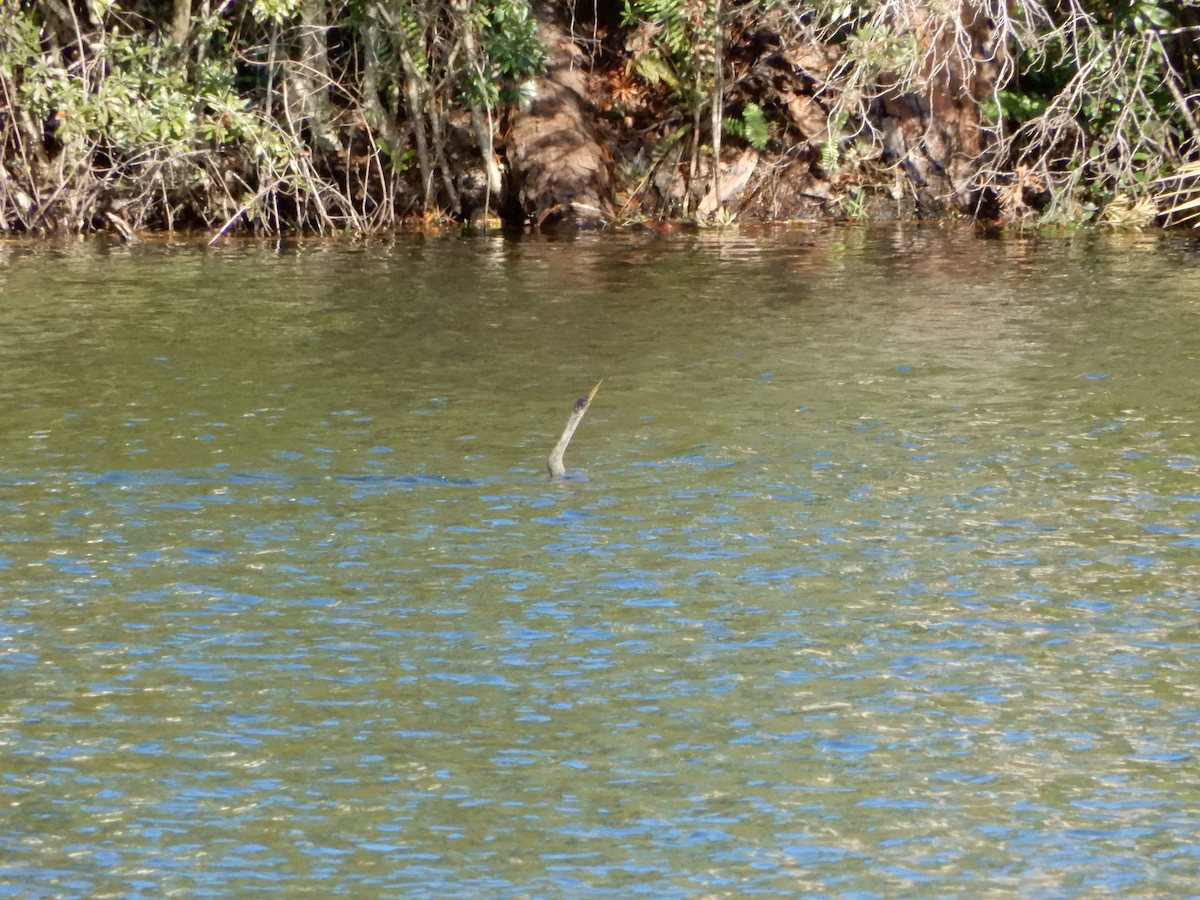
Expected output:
(324, 115)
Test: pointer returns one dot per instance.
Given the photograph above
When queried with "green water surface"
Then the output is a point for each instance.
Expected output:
(876, 574)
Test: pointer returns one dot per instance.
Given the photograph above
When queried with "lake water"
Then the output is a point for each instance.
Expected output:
(876, 572)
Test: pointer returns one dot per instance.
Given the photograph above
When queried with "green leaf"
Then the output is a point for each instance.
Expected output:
(758, 132)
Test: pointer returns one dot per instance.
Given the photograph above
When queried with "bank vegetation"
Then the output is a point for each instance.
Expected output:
(327, 116)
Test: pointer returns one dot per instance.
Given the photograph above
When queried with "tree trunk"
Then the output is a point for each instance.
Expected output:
(481, 118)
(181, 22)
(937, 135)
(309, 79)
(382, 119)
(418, 92)
(559, 171)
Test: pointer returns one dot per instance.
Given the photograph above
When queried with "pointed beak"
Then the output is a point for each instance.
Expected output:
(592, 393)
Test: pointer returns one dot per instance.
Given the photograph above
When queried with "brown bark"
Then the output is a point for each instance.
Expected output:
(559, 170)
(937, 135)
(181, 21)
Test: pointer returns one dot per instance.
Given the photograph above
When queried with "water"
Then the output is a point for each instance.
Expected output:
(876, 573)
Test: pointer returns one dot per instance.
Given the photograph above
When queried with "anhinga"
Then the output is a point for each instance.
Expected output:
(555, 462)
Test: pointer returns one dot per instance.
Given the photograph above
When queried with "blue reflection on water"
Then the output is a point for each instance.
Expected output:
(926, 646)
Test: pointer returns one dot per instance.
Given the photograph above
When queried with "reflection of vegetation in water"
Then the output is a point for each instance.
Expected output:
(281, 114)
